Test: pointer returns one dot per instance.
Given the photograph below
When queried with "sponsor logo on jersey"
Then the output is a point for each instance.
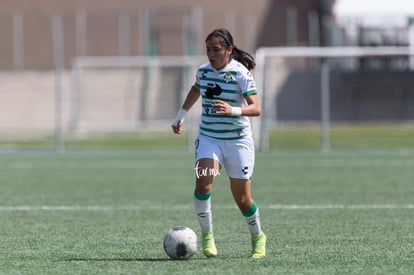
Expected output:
(213, 91)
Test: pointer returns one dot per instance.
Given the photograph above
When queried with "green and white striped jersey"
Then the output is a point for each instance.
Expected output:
(230, 84)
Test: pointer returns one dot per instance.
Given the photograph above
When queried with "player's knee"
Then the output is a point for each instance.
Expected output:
(203, 187)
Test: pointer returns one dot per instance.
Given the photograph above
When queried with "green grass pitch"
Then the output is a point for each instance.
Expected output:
(348, 212)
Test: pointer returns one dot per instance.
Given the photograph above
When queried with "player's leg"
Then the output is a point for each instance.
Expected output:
(205, 173)
(241, 190)
(202, 194)
(207, 166)
(239, 163)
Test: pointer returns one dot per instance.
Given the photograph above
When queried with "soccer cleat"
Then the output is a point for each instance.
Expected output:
(208, 244)
(259, 246)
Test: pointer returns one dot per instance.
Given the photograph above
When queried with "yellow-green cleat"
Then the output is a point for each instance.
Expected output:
(259, 246)
(208, 244)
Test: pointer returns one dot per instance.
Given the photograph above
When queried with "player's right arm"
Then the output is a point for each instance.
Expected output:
(189, 101)
(192, 97)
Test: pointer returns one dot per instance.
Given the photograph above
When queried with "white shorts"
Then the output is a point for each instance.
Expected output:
(237, 156)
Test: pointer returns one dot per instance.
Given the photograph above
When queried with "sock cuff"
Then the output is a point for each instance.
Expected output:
(202, 197)
(251, 211)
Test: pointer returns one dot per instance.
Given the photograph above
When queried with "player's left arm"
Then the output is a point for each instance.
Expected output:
(252, 109)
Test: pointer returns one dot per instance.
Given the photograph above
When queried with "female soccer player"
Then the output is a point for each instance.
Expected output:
(229, 96)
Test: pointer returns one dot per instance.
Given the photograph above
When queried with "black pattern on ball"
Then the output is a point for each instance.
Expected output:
(181, 250)
(179, 228)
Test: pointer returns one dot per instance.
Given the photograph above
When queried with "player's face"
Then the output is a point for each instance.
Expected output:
(218, 55)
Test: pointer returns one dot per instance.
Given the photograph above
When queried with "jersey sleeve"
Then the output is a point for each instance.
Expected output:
(197, 80)
(247, 83)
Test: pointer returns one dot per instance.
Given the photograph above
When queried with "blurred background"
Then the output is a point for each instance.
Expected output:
(70, 69)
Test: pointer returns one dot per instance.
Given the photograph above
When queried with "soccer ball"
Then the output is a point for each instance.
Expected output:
(180, 243)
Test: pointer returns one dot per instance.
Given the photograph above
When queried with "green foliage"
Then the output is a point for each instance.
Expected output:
(100, 140)
(291, 137)
(363, 136)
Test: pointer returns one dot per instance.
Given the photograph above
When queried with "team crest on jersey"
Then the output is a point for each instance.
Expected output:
(228, 77)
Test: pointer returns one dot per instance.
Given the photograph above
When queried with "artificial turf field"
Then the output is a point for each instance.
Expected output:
(97, 212)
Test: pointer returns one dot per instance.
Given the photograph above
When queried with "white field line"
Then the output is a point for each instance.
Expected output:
(276, 163)
(183, 207)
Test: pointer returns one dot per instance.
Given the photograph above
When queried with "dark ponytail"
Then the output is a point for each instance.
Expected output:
(243, 57)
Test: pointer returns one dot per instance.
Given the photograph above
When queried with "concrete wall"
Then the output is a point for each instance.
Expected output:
(355, 96)
(244, 18)
(252, 23)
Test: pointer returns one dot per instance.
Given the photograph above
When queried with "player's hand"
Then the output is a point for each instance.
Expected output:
(222, 107)
(177, 128)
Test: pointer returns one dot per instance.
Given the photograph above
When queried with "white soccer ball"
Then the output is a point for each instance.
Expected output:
(180, 243)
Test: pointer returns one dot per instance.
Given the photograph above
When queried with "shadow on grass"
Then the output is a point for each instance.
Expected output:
(127, 260)
(116, 260)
